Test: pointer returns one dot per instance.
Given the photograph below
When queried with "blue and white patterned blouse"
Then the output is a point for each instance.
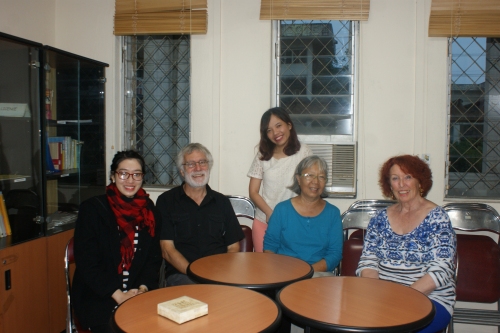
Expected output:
(428, 249)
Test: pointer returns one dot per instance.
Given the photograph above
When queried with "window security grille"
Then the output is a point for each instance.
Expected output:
(157, 102)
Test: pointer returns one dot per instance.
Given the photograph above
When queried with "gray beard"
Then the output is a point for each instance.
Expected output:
(193, 184)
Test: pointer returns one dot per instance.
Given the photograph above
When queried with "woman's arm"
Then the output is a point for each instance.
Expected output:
(91, 236)
(441, 269)
(333, 253)
(273, 233)
(320, 266)
(369, 261)
(369, 273)
(120, 297)
(425, 284)
(253, 190)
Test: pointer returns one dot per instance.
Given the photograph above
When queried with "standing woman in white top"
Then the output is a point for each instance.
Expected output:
(272, 169)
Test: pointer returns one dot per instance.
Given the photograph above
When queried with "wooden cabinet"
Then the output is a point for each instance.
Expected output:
(33, 285)
(23, 279)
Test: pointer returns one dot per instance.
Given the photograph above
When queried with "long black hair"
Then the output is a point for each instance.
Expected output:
(266, 146)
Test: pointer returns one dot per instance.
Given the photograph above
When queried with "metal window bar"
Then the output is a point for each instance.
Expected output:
(315, 75)
(473, 145)
(157, 102)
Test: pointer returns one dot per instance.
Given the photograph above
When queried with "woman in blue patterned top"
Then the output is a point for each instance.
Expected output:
(412, 242)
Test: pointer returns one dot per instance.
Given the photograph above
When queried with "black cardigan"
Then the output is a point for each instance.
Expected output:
(97, 256)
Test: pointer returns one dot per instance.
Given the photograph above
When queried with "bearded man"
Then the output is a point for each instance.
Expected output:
(196, 220)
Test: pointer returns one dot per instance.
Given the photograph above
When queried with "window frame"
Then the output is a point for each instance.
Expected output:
(128, 115)
(342, 176)
(275, 97)
(469, 177)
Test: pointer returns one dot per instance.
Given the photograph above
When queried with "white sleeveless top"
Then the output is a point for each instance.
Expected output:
(276, 175)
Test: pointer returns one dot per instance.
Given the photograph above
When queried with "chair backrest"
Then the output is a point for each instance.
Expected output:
(68, 259)
(72, 324)
(244, 207)
(351, 253)
(372, 203)
(478, 272)
(246, 244)
(357, 217)
(473, 217)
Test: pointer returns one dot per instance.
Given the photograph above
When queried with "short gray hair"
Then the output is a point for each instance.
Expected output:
(191, 148)
(308, 162)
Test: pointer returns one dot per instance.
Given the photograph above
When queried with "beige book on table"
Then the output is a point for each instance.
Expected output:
(182, 309)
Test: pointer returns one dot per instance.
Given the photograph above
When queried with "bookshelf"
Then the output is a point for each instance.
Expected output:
(44, 93)
(74, 122)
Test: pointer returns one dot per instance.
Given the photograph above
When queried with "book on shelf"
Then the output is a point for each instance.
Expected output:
(65, 152)
(5, 215)
(48, 157)
(3, 233)
(55, 149)
(182, 309)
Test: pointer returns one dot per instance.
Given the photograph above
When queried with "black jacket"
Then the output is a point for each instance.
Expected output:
(97, 256)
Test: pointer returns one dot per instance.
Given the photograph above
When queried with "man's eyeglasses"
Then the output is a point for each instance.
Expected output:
(123, 175)
(191, 165)
(309, 177)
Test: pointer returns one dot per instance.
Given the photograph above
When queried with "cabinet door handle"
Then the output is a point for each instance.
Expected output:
(7, 280)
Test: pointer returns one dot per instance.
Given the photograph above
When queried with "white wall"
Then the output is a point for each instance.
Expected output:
(32, 20)
(402, 82)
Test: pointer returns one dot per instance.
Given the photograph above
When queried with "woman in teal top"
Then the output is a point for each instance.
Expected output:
(306, 226)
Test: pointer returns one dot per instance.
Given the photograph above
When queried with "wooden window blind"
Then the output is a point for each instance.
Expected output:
(464, 18)
(355, 10)
(160, 17)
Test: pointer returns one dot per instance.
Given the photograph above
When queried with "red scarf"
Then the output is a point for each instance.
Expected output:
(130, 213)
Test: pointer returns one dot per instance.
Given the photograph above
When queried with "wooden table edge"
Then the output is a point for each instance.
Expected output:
(305, 321)
(270, 329)
(258, 287)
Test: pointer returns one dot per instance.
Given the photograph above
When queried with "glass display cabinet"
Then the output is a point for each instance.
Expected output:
(51, 159)
(73, 117)
(52, 137)
(20, 153)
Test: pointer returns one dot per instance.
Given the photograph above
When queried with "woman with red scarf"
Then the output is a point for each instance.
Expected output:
(116, 245)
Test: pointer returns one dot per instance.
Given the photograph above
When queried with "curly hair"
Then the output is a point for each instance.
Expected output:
(266, 146)
(409, 164)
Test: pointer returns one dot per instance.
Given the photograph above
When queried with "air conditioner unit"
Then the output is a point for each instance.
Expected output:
(341, 160)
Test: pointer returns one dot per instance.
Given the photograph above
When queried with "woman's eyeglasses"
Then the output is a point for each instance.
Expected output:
(123, 175)
(191, 165)
(309, 177)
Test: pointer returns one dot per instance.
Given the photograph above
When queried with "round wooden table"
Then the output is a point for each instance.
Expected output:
(252, 270)
(354, 304)
(230, 309)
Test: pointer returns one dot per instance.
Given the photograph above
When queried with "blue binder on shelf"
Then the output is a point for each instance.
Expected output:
(48, 158)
